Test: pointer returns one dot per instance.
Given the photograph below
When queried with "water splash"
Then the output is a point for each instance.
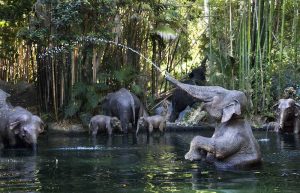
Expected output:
(266, 139)
(65, 47)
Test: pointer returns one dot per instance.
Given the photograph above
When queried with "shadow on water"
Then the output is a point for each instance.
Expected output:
(125, 163)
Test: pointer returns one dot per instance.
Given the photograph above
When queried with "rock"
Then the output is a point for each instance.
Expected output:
(191, 116)
(22, 94)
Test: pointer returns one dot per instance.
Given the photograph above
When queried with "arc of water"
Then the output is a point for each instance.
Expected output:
(94, 39)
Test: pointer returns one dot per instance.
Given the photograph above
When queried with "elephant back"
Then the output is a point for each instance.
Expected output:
(3, 99)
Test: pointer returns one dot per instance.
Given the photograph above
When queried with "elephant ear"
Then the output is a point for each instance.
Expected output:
(39, 121)
(16, 120)
(228, 111)
(14, 126)
(297, 111)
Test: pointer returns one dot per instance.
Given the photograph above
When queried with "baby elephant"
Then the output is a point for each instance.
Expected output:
(152, 122)
(102, 122)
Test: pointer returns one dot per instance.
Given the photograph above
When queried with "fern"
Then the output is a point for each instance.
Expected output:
(85, 99)
(72, 108)
(125, 75)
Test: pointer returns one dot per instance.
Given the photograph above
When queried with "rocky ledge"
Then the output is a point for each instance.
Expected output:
(66, 127)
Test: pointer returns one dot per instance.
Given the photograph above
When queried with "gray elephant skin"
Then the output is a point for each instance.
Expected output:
(125, 106)
(232, 145)
(288, 113)
(18, 127)
(152, 122)
(104, 123)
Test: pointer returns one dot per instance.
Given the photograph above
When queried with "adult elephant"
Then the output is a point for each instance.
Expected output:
(232, 144)
(18, 127)
(124, 105)
(180, 99)
(288, 116)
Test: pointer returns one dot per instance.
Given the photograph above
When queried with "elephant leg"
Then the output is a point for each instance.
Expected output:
(124, 125)
(1, 143)
(199, 146)
(297, 125)
(11, 139)
(109, 128)
(95, 129)
(162, 126)
(150, 128)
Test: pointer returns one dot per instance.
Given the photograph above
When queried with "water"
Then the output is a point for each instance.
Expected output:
(64, 47)
(154, 164)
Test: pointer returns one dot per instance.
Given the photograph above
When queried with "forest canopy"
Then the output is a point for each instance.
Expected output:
(69, 48)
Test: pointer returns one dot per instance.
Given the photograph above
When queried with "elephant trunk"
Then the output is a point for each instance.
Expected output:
(124, 124)
(282, 118)
(137, 129)
(203, 93)
(34, 147)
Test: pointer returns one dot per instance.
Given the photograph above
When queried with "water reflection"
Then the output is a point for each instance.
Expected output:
(155, 163)
(19, 172)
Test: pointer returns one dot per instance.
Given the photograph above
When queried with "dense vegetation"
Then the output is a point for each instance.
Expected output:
(252, 45)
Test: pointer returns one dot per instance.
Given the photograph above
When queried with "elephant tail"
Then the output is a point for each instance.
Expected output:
(90, 125)
(132, 107)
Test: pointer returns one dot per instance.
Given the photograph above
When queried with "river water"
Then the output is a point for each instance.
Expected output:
(143, 164)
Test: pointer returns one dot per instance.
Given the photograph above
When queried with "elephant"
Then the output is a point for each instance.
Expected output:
(103, 122)
(180, 99)
(232, 145)
(125, 106)
(164, 109)
(152, 122)
(18, 126)
(288, 112)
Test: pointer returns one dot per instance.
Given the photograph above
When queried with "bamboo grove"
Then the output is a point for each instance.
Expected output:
(251, 45)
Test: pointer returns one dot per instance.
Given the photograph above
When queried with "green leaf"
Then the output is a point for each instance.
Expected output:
(165, 32)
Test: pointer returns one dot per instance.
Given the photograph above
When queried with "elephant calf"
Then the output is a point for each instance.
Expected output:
(288, 115)
(102, 122)
(152, 122)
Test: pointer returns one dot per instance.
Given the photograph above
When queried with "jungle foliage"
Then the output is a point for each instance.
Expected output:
(252, 45)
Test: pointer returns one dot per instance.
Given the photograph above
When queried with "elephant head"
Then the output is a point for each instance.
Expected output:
(220, 103)
(25, 126)
(116, 123)
(288, 110)
(141, 124)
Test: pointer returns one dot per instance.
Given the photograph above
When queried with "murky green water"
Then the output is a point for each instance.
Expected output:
(154, 164)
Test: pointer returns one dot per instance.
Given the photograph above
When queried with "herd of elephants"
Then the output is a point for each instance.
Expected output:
(232, 144)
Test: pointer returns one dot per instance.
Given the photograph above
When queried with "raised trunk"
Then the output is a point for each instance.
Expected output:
(203, 93)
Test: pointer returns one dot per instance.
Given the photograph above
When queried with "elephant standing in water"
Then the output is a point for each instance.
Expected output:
(18, 127)
(288, 116)
(125, 106)
(104, 123)
(152, 122)
(232, 144)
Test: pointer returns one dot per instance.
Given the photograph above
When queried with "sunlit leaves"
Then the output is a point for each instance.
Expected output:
(165, 32)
